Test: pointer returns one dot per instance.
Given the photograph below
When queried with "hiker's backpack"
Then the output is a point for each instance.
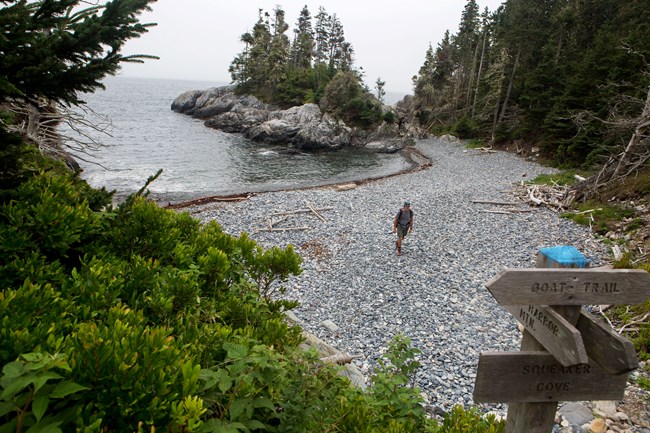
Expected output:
(399, 214)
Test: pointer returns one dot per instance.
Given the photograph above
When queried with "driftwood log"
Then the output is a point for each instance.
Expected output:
(272, 225)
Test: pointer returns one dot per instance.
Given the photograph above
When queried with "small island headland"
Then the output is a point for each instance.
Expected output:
(299, 128)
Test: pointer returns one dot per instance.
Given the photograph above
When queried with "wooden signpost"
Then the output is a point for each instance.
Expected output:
(566, 354)
(538, 377)
(558, 286)
(552, 331)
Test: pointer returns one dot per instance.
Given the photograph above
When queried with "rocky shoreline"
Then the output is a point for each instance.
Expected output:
(303, 128)
(355, 294)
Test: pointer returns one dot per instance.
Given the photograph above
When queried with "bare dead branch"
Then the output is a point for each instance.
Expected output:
(634, 321)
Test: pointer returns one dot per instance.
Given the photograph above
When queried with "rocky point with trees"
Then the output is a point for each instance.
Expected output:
(274, 75)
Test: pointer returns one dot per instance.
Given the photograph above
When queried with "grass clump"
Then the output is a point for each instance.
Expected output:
(475, 143)
(564, 178)
(601, 217)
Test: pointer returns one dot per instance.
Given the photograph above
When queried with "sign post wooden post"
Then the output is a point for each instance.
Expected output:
(538, 417)
(566, 354)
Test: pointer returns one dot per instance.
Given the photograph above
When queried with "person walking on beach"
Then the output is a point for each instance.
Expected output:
(402, 224)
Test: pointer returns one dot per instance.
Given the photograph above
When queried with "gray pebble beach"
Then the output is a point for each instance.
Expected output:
(356, 294)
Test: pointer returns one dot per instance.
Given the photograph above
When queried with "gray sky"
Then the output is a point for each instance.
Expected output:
(197, 39)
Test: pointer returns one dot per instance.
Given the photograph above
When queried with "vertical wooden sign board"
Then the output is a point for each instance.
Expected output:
(540, 417)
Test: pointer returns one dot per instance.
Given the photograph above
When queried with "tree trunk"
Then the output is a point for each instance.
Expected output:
(33, 120)
(495, 122)
(470, 82)
(559, 48)
(478, 75)
(510, 86)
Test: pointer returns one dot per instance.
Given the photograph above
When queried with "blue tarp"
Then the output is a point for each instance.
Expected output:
(565, 255)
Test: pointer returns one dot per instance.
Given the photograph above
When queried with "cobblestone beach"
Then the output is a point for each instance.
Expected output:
(356, 294)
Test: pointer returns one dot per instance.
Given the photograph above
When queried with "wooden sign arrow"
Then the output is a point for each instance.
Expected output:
(537, 377)
(552, 331)
(612, 352)
(569, 286)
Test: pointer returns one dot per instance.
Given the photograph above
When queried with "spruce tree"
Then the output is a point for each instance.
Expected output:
(466, 43)
(322, 36)
(52, 49)
(278, 55)
(303, 45)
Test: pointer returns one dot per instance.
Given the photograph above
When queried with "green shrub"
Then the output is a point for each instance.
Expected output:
(465, 128)
(158, 322)
(394, 398)
(36, 397)
(134, 372)
(134, 298)
(346, 99)
(389, 117)
(460, 420)
(567, 178)
(475, 143)
(601, 217)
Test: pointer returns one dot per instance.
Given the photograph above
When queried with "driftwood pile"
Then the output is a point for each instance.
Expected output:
(272, 223)
(557, 198)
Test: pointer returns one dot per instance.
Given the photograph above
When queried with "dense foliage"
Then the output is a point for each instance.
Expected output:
(289, 73)
(548, 71)
(138, 317)
(56, 48)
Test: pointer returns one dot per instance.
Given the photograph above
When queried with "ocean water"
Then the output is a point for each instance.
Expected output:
(146, 135)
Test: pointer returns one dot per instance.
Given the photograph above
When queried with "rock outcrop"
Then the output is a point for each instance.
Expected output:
(303, 127)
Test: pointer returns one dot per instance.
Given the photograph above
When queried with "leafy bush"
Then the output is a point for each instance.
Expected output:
(139, 318)
(33, 384)
(460, 420)
(125, 295)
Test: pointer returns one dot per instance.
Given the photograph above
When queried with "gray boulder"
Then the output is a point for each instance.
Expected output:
(186, 101)
(237, 121)
(303, 127)
(274, 131)
(576, 413)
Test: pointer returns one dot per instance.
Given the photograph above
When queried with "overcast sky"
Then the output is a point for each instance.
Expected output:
(197, 39)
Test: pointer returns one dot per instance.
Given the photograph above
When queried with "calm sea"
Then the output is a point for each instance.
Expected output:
(197, 161)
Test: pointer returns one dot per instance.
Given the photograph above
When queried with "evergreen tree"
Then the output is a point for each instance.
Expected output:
(466, 43)
(278, 55)
(322, 36)
(379, 87)
(288, 74)
(345, 98)
(485, 37)
(303, 46)
(249, 69)
(433, 86)
(541, 70)
(52, 49)
(336, 40)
